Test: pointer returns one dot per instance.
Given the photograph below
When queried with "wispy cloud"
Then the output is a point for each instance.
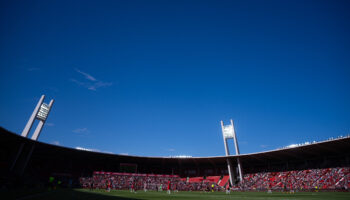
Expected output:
(94, 150)
(86, 149)
(263, 145)
(77, 82)
(181, 156)
(91, 83)
(55, 142)
(81, 130)
(50, 124)
(171, 149)
(98, 85)
(87, 76)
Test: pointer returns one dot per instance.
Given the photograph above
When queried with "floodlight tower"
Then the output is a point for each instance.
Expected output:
(228, 132)
(40, 113)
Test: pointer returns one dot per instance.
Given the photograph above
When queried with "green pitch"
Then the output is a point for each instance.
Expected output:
(83, 194)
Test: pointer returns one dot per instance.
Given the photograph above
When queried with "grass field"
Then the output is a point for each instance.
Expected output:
(82, 194)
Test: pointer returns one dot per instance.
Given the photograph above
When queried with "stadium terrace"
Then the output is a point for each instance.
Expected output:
(317, 166)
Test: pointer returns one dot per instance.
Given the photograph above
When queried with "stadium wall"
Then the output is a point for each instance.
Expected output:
(47, 160)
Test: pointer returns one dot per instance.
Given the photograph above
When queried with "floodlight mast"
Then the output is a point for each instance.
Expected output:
(42, 121)
(237, 152)
(229, 167)
(32, 117)
(40, 113)
(227, 133)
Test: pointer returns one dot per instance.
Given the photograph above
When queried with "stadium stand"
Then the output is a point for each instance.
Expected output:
(323, 164)
(124, 181)
(213, 179)
(224, 181)
(195, 179)
(326, 179)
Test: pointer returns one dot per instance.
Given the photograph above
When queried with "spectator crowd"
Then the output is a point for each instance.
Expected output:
(125, 181)
(310, 179)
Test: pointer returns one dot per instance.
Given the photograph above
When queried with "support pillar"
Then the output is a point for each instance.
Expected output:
(32, 117)
(237, 153)
(41, 124)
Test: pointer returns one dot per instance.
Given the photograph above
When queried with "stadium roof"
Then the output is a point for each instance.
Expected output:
(10, 142)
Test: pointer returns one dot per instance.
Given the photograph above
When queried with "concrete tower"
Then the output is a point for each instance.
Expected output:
(41, 112)
(228, 132)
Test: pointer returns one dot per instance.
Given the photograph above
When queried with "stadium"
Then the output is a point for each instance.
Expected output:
(175, 100)
(310, 168)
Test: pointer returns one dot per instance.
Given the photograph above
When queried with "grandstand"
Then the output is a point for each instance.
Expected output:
(322, 165)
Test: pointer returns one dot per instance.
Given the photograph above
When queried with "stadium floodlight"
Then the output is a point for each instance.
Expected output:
(40, 113)
(43, 112)
(228, 132)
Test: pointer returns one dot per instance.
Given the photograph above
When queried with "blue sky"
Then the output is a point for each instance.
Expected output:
(154, 78)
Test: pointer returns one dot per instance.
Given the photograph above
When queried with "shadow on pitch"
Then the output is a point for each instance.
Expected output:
(72, 194)
(102, 195)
